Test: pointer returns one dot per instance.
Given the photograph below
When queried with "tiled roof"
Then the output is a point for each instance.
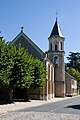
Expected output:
(56, 31)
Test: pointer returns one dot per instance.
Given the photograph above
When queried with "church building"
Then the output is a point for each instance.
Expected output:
(56, 83)
(56, 56)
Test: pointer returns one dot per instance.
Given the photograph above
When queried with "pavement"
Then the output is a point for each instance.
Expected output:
(21, 105)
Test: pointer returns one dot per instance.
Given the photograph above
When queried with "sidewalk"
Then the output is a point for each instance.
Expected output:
(21, 105)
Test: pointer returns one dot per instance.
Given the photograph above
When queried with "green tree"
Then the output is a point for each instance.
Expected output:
(74, 61)
(15, 67)
(4, 63)
(39, 74)
(19, 69)
(75, 74)
(22, 70)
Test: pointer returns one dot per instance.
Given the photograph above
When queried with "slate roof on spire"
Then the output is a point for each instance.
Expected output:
(56, 31)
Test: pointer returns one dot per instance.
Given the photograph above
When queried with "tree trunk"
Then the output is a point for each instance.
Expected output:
(26, 94)
(10, 95)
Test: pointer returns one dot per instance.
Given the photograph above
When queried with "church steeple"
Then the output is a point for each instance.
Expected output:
(56, 55)
(56, 31)
(56, 39)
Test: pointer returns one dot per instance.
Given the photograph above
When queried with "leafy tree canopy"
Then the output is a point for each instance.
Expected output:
(73, 66)
(39, 74)
(18, 68)
(74, 61)
(75, 74)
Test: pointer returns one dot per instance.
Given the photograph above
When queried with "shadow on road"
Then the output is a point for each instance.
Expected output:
(74, 107)
(14, 100)
(4, 102)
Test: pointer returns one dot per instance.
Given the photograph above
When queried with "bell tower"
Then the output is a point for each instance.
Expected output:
(56, 55)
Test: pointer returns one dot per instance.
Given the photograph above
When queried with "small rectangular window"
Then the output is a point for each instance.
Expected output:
(51, 46)
(61, 45)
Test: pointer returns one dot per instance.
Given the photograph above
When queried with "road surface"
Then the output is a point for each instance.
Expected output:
(68, 109)
(68, 106)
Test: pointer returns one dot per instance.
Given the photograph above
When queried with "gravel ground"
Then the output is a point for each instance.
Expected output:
(21, 105)
(6, 114)
(38, 116)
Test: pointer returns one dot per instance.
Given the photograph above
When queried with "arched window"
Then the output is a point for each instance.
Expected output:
(56, 60)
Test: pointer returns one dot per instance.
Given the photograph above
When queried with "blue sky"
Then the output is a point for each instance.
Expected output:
(38, 17)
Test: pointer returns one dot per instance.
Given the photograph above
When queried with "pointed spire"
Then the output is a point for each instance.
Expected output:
(56, 31)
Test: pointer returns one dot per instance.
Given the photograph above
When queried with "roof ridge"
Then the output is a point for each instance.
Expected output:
(29, 39)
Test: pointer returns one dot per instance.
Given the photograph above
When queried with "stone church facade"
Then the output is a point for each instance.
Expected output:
(56, 83)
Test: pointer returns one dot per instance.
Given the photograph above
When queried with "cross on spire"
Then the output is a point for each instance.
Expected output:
(56, 15)
(22, 29)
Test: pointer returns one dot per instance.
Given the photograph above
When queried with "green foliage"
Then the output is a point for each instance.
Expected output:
(18, 68)
(21, 72)
(75, 74)
(74, 61)
(73, 66)
(4, 63)
(39, 74)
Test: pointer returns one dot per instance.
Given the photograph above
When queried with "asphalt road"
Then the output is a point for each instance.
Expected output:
(68, 106)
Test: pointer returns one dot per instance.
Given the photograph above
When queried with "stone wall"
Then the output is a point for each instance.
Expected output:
(71, 84)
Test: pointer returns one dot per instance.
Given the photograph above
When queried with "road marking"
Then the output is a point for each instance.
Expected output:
(64, 106)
